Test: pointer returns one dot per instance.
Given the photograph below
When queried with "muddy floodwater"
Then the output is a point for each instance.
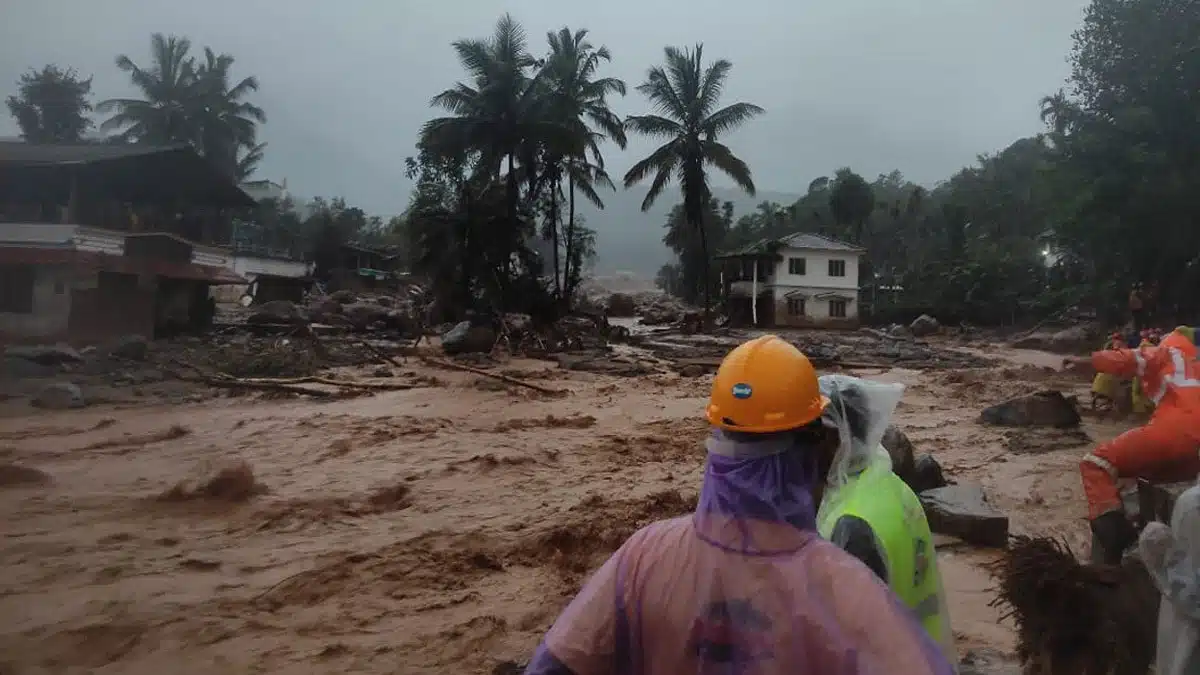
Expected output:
(434, 530)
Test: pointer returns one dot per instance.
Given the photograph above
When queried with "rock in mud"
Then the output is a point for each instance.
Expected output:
(1035, 441)
(924, 325)
(1068, 340)
(11, 366)
(901, 449)
(1047, 408)
(277, 311)
(467, 339)
(927, 475)
(343, 297)
(963, 511)
(59, 396)
(132, 347)
(362, 314)
(622, 305)
(44, 355)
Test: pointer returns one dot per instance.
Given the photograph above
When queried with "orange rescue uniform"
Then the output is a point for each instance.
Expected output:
(1167, 448)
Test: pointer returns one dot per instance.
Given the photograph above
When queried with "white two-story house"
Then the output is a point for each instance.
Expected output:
(803, 279)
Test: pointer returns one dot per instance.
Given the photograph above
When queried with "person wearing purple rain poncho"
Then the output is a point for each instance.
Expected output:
(744, 584)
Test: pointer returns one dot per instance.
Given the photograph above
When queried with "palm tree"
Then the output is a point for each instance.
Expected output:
(684, 95)
(578, 101)
(248, 163)
(226, 122)
(163, 116)
(494, 115)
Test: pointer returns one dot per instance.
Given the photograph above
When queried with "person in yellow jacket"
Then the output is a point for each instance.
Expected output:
(869, 512)
(1106, 388)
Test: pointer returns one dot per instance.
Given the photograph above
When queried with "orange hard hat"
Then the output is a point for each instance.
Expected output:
(763, 386)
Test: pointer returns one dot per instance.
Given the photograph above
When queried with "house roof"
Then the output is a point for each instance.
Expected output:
(799, 240)
(126, 172)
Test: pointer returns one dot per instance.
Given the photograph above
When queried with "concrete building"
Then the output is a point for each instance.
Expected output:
(272, 260)
(103, 240)
(801, 280)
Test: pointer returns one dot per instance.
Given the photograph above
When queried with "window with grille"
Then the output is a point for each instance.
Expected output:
(797, 266)
(795, 306)
(837, 309)
(837, 268)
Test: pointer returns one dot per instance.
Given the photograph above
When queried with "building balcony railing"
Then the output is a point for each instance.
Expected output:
(97, 240)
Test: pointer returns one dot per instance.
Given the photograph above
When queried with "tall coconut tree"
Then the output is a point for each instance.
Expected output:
(226, 121)
(164, 114)
(684, 94)
(578, 100)
(494, 115)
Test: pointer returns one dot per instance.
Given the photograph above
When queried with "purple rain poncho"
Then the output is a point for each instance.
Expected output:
(743, 585)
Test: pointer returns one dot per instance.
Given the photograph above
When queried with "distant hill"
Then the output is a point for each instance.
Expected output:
(629, 240)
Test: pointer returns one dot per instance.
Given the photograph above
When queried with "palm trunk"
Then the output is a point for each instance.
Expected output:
(704, 270)
(570, 252)
(554, 236)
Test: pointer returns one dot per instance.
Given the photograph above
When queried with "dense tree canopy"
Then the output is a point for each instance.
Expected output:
(185, 100)
(52, 105)
(1107, 197)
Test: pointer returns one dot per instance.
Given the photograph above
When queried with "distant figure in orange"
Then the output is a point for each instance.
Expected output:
(1166, 449)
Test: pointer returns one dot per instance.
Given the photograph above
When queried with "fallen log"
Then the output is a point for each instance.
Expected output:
(266, 386)
(495, 376)
(314, 379)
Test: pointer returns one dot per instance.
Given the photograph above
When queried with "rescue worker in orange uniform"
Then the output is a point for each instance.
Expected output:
(1166, 449)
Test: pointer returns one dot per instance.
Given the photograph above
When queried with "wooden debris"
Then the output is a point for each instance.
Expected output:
(438, 363)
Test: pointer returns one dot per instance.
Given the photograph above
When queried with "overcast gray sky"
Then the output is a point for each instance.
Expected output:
(922, 86)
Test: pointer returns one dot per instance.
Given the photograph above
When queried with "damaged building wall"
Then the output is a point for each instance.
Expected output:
(110, 304)
(35, 301)
(805, 308)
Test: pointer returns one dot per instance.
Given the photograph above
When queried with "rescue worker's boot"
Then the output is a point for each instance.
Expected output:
(1112, 533)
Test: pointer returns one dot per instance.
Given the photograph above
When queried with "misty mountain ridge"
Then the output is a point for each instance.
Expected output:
(630, 240)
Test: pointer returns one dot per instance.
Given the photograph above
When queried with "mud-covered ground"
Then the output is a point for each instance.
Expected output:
(435, 530)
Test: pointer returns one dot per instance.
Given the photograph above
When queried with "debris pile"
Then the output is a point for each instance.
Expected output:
(1076, 618)
(861, 349)
(342, 311)
(518, 334)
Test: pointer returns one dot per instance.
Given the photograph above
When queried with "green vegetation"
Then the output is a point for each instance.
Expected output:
(1107, 196)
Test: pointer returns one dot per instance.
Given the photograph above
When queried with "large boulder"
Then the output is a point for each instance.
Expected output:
(325, 310)
(343, 297)
(132, 347)
(45, 355)
(1047, 408)
(1073, 339)
(59, 396)
(14, 367)
(621, 304)
(362, 314)
(963, 511)
(278, 311)
(927, 475)
(901, 449)
(924, 325)
(466, 338)
(1067, 341)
